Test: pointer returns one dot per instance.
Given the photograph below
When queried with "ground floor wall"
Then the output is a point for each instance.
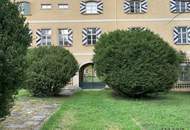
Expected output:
(84, 53)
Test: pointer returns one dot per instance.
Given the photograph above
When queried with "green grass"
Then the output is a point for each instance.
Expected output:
(100, 110)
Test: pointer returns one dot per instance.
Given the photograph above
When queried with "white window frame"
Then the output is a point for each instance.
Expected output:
(46, 37)
(91, 32)
(63, 35)
(46, 6)
(134, 5)
(181, 34)
(63, 6)
(91, 7)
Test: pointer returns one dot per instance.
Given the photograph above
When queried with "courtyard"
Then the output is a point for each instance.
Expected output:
(102, 110)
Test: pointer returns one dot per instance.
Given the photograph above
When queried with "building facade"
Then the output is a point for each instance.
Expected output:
(77, 24)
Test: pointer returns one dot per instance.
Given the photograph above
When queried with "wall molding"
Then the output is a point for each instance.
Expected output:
(108, 20)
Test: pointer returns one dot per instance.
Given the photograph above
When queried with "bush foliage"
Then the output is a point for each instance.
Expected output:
(49, 69)
(14, 40)
(136, 62)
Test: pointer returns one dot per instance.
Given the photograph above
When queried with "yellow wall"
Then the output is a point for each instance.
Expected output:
(158, 19)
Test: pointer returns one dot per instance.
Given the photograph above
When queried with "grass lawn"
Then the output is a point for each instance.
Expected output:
(100, 110)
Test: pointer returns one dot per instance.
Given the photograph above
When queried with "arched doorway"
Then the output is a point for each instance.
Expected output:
(88, 78)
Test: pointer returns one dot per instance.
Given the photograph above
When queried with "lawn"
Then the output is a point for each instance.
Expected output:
(101, 110)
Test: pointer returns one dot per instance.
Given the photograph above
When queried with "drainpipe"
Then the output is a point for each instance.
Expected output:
(116, 22)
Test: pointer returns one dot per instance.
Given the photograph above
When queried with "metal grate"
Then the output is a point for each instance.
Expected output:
(184, 79)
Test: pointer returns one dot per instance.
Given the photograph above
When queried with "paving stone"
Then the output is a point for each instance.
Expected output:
(28, 115)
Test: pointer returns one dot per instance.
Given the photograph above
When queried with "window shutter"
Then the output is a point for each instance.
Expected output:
(26, 7)
(173, 5)
(175, 35)
(144, 6)
(38, 37)
(70, 36)
(188, 30)
(126, 6)
(30, 33)
(98, 33)
(188, 6)
(100, 7)
(84, 36)
(82, 7)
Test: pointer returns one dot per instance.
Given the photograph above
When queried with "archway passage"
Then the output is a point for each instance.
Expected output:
(88, 78)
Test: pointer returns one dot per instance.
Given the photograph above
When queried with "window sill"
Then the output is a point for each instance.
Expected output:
(92, 13)
(182, 43)
(89, 45)
(175, 12)
(136, 13)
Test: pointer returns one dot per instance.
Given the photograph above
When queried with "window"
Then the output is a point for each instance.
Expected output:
(46, 6)
(181, 6)
(91, 8)
(63, 6)
(45, 37)
(64, 37)
(185, 72)
(135, 6)
(24, 8)
(182, 34)
(91, 36)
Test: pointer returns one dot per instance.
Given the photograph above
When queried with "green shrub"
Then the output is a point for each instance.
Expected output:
(136, 62)
(14, 40)
(49, 69)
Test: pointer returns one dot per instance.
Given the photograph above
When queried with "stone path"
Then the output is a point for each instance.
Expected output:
(29, 114)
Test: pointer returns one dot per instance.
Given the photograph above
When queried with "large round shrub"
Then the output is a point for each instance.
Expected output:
(49, 69)
(14, 41)
(136, 62)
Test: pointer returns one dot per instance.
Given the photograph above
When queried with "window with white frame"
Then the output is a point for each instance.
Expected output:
(24, 8)
(91, 36)
(45, 37)
(64, 37)
(181, 6)
(182, 35)
(91, 7)
(63, 6)
(135, 6)
(46, 6)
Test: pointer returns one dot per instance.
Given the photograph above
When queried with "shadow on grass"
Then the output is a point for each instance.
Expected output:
(152, 97)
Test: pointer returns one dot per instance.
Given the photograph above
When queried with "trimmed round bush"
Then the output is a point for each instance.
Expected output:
(136, 62)
(49, 70)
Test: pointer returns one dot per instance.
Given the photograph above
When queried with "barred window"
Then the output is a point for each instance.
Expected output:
(135, 6)
(46, 37)
(64, 37)
(185, 72)
(91, 36)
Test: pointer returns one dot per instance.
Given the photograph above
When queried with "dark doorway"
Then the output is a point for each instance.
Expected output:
(88, 78)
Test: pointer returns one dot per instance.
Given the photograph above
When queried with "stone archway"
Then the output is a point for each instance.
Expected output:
(88, 78)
